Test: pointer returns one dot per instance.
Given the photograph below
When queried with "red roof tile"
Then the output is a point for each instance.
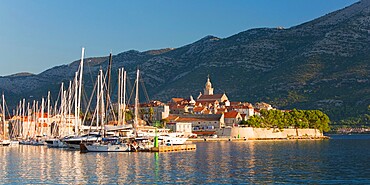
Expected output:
(231, 114)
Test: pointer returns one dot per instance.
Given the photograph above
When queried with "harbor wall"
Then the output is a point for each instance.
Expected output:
(267, 133)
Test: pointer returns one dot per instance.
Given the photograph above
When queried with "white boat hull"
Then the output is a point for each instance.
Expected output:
(172, 140)
(4, 142)
(74, 143)
(100, 147)
(56, 143)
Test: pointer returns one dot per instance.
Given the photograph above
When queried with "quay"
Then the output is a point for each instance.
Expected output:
(174, 148)
(254, 139)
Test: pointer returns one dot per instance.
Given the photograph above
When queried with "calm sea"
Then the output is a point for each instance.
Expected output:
(340, 160)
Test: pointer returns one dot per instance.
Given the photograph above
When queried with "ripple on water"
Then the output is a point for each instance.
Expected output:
(336, 161)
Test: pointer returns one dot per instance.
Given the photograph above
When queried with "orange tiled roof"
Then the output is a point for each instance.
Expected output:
(198, 109)
(172, 117)
(210, 97)
(231, 114)
(182, 119)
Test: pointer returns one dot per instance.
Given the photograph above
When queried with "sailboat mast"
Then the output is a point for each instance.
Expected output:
(42, 116)
(69, 105)
(97, 101)
(80, 84)
(124, 95)
(108, 85)
(102, 101)
(119, 97)
(76, 104)
(48, 116)
(28, 120)
(3, 107)
(34, 118)
(136, 99)
(23, 115)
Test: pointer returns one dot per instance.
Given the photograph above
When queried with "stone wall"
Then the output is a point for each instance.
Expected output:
(264, 133)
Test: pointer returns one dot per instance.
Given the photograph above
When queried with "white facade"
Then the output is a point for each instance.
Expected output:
(184, 127)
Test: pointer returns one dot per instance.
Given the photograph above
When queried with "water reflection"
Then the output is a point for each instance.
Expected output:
(255, 162)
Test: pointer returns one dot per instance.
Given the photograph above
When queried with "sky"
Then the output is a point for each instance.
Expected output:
(36, 35)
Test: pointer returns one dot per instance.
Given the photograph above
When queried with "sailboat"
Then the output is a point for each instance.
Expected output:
(115, 144)
(73, 141)
(108, 144)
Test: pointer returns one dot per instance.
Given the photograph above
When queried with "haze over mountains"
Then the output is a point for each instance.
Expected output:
(321, 64)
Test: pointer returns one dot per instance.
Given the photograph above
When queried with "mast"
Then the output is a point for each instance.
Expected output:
(121, 93)
(136, 99)
(23, 115)
(107, 96)
(28, 120)
(119, 97)
(3, 107)
(42, 116)
(80, 84)
(102, 101)
(97, 101)
(76, 104)
(48, 117)
(124, 95)
(34, 118)
(64, 112)
(62, 108)
(69, 106)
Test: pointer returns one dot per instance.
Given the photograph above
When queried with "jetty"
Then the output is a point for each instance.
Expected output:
(174, 148)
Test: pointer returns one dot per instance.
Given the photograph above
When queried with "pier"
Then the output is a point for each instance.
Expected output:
(174, 148)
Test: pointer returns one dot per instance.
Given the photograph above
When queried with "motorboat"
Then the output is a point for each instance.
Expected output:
(74, 141)
(56, 143)
(4, 142)
(171, 139)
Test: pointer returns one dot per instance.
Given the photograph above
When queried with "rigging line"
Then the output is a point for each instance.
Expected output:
(132, 91)
(89, 104)
(88, 63)
(129, 86)
(115, 85)
(144, 89)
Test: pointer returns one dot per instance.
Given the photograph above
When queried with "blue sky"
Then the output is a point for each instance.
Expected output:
(38, 34)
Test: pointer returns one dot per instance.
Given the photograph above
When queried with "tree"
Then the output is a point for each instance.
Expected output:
(151, 113)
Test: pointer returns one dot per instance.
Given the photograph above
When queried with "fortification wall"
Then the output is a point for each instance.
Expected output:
(264, 133)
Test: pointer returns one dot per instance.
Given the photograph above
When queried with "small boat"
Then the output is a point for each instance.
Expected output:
(37, 142)
(25, 142)
(4, 142)
(74, 142)
(172, 140)
(56, 143)
(14, 143)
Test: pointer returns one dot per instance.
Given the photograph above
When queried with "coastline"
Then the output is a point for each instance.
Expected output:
(223, 139)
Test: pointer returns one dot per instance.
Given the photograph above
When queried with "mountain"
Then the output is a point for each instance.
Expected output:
(321, 64)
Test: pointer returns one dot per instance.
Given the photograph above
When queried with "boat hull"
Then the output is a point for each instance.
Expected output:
(56, 143)
(98, 147)
(4, 143)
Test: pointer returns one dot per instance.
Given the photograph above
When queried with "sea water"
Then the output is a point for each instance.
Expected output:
(340, 160)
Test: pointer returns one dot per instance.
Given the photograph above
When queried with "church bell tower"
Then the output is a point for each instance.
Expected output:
(208, 90)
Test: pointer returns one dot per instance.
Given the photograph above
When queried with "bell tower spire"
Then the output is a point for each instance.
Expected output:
(208, 90)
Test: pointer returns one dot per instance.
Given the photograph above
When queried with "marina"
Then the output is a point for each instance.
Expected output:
(185, 92)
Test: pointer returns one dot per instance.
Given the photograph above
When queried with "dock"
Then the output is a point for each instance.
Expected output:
(224, 139)
(174, 148)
